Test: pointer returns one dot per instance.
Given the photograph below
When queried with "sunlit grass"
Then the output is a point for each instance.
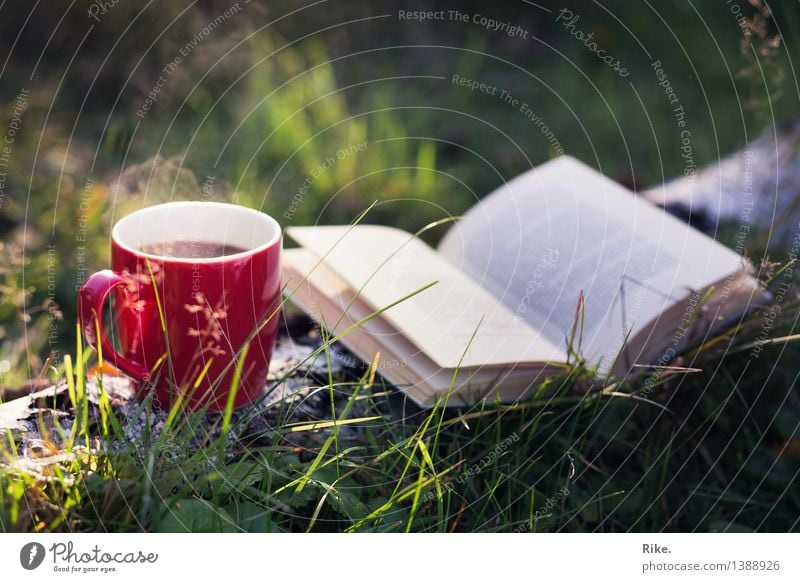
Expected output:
(393, 475)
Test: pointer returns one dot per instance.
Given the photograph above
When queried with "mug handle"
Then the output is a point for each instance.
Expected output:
(91, 299)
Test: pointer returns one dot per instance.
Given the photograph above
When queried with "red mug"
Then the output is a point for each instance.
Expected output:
(185, 323)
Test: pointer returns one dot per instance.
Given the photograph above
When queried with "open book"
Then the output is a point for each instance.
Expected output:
(509, 279)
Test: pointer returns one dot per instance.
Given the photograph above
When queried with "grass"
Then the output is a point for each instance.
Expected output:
(716, 450)
(576, 456)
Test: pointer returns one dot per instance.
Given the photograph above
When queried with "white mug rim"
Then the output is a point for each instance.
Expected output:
(256, 214)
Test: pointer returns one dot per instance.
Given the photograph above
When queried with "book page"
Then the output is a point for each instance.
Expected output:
(562, 230)
(383, 265)
(320, 292)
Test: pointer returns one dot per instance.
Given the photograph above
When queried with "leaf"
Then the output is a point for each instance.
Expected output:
(233, 479)
(296, 499)
(252, 517)
(302, 497)
(346, 501)
(196, 515)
